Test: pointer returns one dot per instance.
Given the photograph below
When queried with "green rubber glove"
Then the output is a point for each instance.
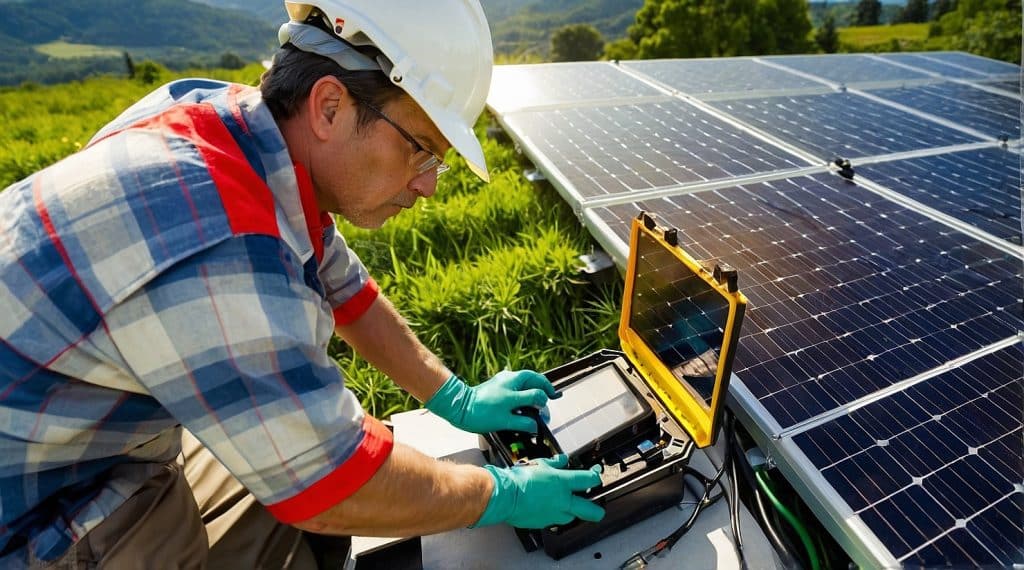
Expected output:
(488, 407)
(540, 494)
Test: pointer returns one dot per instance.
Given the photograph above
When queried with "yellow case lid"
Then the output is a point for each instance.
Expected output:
(680, 327)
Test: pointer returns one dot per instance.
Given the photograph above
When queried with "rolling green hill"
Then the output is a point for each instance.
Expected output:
(61, 40)
(516, 25)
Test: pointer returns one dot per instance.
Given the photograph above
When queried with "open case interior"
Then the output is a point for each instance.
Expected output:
(639, 412)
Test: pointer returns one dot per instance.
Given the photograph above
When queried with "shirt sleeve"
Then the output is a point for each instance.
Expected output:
(349, 288)
(232, 342)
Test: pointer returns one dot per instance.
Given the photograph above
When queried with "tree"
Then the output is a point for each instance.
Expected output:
(941, 8)
(869, 12)
(703, 28)
(915, 11)
(149, 72)
(230, 60)
(991, 28)
(129, 65)
(576, 42)
(827, 37)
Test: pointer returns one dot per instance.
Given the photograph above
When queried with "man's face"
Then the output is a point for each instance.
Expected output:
(372, 173)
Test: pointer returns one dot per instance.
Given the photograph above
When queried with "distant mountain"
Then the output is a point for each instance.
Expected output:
(516, 25)
(526, 25)
(137, 23)
(177, 33)
(270, 11)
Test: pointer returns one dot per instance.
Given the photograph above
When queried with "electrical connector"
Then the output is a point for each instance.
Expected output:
(640, 559)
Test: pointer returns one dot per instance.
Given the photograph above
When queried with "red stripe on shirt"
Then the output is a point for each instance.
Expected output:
(341, 483)
(350, 311)
(51, 232)
(248, 202)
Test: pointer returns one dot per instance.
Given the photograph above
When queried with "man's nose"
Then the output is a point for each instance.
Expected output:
(425, 184)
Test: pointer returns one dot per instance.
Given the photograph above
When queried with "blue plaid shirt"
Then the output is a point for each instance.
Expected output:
(175, 272)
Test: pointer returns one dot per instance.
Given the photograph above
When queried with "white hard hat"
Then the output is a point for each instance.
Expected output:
(438, 51)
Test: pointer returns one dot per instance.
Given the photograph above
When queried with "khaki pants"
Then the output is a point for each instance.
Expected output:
(194, 515)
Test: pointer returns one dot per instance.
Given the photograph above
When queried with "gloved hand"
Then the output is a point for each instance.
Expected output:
(488, 407)
(540, 494)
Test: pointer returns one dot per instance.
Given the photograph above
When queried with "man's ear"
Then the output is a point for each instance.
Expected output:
(329, 102)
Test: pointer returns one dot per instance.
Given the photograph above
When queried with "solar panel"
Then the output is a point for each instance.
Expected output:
(932, 65)
(992, 114)
(841, 124)
(846, 68)
(705, 76)
(620, 149)
(849, 293)
(975, 63)
(916, 465)
(874, 321)
(516, 87)
(980, 187)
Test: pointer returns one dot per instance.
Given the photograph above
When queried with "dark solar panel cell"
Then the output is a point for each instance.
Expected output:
(841, 124)
(896, 294)
(952, 443)
(998, 529)
(614, 150)
(980, 187)
(847, 68)
(720, 75)
(994, 115)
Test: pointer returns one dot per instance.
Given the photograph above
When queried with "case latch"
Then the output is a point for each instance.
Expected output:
(726, 275)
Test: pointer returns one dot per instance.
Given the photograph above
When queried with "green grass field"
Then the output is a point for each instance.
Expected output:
(65, 50)
(893, 37)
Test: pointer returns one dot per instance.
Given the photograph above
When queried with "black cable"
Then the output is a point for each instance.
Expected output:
(729, 463)
(770, 522)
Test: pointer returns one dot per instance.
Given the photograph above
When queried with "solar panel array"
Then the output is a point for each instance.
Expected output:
(881, 359)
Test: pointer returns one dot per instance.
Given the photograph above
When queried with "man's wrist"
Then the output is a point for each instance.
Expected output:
(447, 400)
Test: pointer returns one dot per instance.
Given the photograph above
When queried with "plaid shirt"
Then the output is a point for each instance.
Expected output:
(175, 272)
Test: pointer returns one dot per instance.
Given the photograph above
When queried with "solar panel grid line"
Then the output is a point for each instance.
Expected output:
(910, 66)
(591, 103)
(758, 94)
(953, 443)
(933, 151)
(996, 90)
(946, 70)
(943, 218)
(826, 417)
(852, 533)
(682, 189)
(725, 117)
(832, 84)
(995, 114)
(959, 59)
(554, 175)
(849, 69)
(516, 87)
(980, 187)
(710, 78)
(950, 265)
(923, 115)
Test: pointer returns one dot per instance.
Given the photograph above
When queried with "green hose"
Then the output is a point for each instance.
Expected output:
(812, 553)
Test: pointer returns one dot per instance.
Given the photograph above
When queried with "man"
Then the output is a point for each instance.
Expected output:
(182, 272)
